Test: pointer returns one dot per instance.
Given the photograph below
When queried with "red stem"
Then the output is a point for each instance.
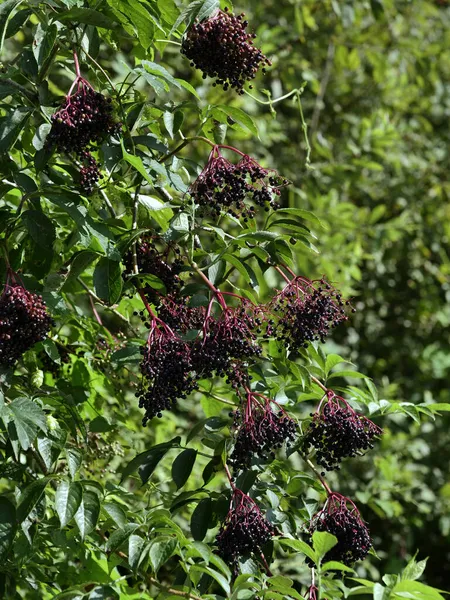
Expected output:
(230, 479)
(77, 65)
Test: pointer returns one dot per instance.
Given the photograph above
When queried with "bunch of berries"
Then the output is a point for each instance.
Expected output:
(85, 118)
(227, 341)
(24, 321)
(167, 370)
(340, 517)
(337, 432)
(225, 186)
(222, 49)
(307, 311)
(179, 315)
(152, 261)
(260, 432)
(244, 531)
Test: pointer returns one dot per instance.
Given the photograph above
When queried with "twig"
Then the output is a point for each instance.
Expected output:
(134, 227)
(108, 203)
(184, 143)
(106, 307)
(319, 383)
(319, 476)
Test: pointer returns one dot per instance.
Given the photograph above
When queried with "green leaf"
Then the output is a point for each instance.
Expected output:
(88, 16)
(182, 466)
(30, 497)
(40, 227)
(135, 544)
(67, 500)
(74, 460)
(418, 589)
(151, 203)
(238, 115)
(108, 280)
(160, 551)
(11, 125)
(44, 40)
(6, 8)
(120, 536)
(87, 513)
(333, 565)
(438, 406)
(333, 360)
(8, 526)
(413, 569)
(221, 580)
(300, 546)
(136, 162)
(304, 214)
(323, 542)
(201, 519)
(200, 9)
(116, 513)
(28, 418)
(147, 461)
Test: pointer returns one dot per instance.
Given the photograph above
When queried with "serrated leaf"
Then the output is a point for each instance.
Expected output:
(74, 460)
(120, 536)
(8, 526)
(323, 542)
(160, 551)
(182, 466)
(238, 115)
(86, 15)
(44, 40)
(28, 418)
(300, 546)
(86, 516)
(333, 565)
(67, 500)
(30, 497)
(147, 461)
(413, 569)
(201, 519)
(108, 280)
(116, 513)
(151, 203)
(135, 544)
(6, 8)
(11, 125)
(40, 227)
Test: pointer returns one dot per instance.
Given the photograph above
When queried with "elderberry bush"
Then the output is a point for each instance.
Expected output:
(307, 311)
(222, 49)
(337, 431)
(24, 321)
(345, 523)
(259, 431)
(167, 371)
(244, 531)
(225, 186)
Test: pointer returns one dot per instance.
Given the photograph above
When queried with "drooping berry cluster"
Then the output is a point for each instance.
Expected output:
(167, 371)
(244, 531)
(227, 341)
(153, 261)
(85, 118)
(337, 431)
(307, 311)
(179, 315)
(222, 49)
(260, 432)
(24, 321)
(340, 517)
(225, 186)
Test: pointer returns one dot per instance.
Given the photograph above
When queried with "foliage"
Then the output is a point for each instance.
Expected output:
(352, 113)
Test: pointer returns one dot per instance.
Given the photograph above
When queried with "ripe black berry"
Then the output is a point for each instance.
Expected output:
(260, 432)
(340, 517)
(24, 321)
(222, 49)
(244, 531)
(337, 431)
(307, 311)
(225, 186)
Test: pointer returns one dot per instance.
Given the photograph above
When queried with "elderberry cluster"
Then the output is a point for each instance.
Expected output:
(307, 312)
(167, 370)
(152, 261)
(24, 321)
(260, 433)
(245, 530)
(345, 523)
(177, 313)
(225, 186)
(337, 432)
(222, 49)
(85, 118)
(227, 341)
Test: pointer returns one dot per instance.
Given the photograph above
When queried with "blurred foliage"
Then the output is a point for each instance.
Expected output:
(367, 153)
